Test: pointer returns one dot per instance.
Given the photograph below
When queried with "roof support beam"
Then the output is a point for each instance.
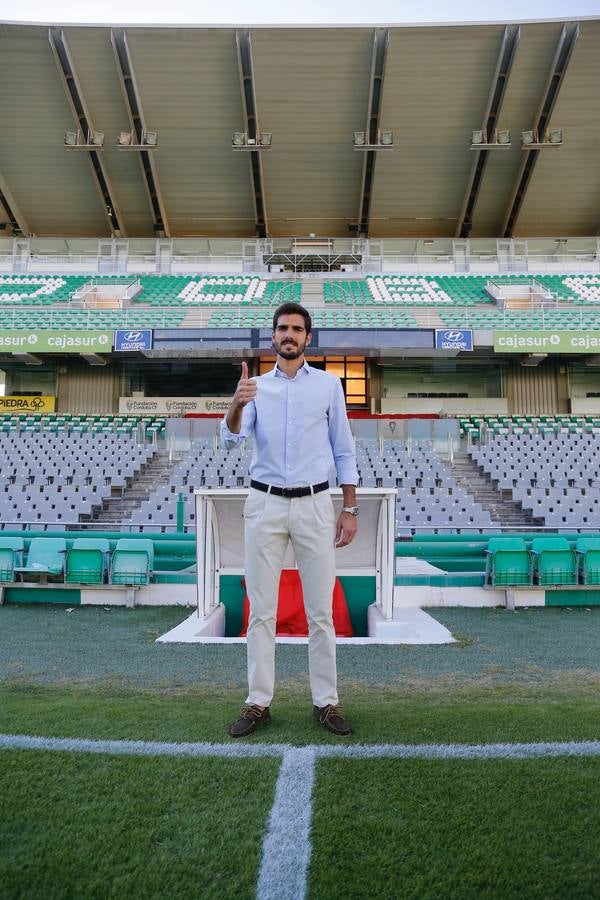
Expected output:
(380, 45)
(133, 104)
(14, 217)
(508, 47)
(252, 129)
(560, 62)
(84, 122)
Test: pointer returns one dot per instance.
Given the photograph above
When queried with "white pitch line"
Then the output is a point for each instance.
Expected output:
(286, 846)
(347, 751)
(139, 748)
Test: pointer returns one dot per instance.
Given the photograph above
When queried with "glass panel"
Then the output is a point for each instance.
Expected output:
(336, 368)
(355, 370)
(355, 384)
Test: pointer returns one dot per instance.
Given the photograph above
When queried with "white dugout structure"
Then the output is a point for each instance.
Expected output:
(220, 552)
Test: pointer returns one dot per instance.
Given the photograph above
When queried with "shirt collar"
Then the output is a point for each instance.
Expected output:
(277, 373)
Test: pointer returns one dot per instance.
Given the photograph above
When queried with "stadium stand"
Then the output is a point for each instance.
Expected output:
(59, 478)
(389, 301)
(555, 476)
(428, 494)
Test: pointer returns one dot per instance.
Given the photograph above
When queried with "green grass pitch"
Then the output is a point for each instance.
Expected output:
(83, 825)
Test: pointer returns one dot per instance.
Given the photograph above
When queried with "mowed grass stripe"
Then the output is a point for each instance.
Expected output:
(89, 826)
(456, 829)
(384, 715)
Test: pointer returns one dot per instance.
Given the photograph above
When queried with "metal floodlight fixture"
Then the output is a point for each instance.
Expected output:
(503, 137)
(125, 139)
(478, 137)
(262, 140)
(96, 138)
(528, 137)
(383, 141)
(71, 138)
(150, 138)
(555, 136)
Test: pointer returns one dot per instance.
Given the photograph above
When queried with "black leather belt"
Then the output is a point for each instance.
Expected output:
(289, 492)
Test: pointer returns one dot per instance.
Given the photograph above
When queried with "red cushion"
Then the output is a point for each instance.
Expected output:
(291, 618)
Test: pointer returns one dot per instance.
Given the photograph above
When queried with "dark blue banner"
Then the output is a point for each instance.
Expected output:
(453, 339)
(133, 340)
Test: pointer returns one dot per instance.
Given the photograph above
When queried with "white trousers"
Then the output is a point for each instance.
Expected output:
(270, 522)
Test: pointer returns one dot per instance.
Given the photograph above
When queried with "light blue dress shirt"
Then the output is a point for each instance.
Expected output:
(300, 429)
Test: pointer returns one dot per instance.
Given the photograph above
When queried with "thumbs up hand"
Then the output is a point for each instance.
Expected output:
(246, 389)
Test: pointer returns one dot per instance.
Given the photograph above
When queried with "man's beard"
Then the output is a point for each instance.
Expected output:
(289, 350)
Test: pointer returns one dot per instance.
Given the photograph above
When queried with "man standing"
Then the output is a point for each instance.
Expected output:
(297, 415)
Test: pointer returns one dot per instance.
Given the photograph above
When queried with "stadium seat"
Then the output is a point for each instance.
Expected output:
(87, 561)
(508, 562)
(45, 558)
(588, 554)
(132, 562)
(554, 561)
(11, 553)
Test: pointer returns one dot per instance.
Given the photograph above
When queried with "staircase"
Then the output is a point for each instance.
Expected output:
(427, 318)
(506, 513)
(119, 509)
(313, 293)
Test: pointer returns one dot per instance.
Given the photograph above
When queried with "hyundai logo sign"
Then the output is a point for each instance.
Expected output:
(130, 341)
(453, 339)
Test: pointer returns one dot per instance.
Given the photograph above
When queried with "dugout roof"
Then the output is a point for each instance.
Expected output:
(311, 88)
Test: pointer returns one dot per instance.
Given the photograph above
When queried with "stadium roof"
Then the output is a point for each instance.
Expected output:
(311, 88)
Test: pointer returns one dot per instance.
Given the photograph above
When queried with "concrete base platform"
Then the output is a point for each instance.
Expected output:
(409, 625)
(412, 626)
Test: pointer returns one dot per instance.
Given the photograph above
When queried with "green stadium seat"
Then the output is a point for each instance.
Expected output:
(45, 558)
(554, 561)
(132, 562)
(588, 554)
(11, 554)
(87, 561)
(508, 562)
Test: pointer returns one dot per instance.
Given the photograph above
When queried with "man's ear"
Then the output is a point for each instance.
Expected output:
(308, 338)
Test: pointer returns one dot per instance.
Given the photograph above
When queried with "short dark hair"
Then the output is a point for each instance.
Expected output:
(291, 309)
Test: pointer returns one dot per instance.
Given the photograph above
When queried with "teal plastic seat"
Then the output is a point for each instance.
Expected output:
(46, 557)
(588, 555)
(508, 562)
(132, 562)
(554, 561)
(87, 561)
(11, 554)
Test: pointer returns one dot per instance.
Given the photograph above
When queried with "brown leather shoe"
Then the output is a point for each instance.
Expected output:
(331, 719)
(250, 719)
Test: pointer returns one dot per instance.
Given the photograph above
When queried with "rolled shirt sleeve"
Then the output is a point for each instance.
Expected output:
(229, 439)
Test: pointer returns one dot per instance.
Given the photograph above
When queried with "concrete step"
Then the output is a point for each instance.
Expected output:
(119, 509)
(480, 486)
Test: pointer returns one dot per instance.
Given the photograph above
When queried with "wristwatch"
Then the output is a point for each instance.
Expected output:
(353, 510)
